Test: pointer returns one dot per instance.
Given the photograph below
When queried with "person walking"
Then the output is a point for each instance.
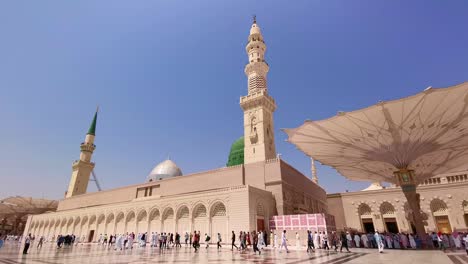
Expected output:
(1, 240)
(177, 240)
(334, 240)
(284, 242)
(153, 239)
(255, 242)
(325, 241)
(316, 240)
(207, 240)
(219, 241)
(378, 241)
(186, 238)
(261, 242)
(195, 240)
(233, 239)
(39, 244)
(27, 242)
(344, 242)
(244, 240)
(310, 243)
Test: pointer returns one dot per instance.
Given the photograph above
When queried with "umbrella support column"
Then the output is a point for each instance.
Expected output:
(407, 181)
(413, 202)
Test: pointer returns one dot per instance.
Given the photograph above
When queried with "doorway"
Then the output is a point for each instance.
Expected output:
(90, 236)
(260, 224)
(466, 219)
(368, 225)
(443, 224)
(391, 225)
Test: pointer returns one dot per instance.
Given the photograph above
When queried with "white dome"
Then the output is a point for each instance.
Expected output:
(165, 169)
(374, 186)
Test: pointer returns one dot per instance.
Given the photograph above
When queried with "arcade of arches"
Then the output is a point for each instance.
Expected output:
(444, 204)
(212, 213)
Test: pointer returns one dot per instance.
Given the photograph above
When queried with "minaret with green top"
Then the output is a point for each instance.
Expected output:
(82, 168)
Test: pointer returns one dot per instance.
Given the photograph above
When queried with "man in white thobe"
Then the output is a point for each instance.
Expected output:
(379, 241)
(284, 241)
(357, 240)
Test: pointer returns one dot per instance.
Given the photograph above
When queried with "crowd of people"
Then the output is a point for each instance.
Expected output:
(257, 240)
(455, 240)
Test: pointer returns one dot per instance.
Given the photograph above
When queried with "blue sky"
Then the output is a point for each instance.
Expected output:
(168, 75)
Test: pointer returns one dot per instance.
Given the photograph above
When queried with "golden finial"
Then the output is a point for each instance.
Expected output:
(254, 19)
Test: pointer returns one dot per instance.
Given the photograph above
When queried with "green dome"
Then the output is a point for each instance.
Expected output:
(236, 155)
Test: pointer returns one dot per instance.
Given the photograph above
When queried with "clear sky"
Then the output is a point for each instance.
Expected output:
(168, 75)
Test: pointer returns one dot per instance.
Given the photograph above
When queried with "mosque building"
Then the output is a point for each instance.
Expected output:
(255, 185)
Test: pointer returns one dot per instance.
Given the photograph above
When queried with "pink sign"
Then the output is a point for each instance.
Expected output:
(313, 222)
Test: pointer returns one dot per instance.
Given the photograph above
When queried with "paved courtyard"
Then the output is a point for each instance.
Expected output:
(10, 254)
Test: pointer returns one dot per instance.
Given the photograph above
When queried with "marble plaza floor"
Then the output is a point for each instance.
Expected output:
(10, 254)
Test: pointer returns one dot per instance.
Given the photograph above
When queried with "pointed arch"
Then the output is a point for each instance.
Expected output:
(364, 210)
(130, 222)
(142, 222)
(183, 220)
(219, 220)
(218, 209)
(199, 210)
(438, 207)
(465, 206)
(154, 214)
(387, 209)
(168, 220)
(168, 213)
(120, 223)
(154, 220)
(200, 218)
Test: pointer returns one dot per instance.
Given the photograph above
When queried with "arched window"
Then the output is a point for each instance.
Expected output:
(260, 210)
(439, 207)
(219, 210)
(364, 210)
(387, 209)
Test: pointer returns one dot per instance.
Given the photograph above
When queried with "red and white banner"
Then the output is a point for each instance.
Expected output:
(312, 222)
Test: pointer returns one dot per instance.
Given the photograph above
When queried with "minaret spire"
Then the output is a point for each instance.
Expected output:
(92, 127)
(82, 168)
(258, 106)
(314, 171)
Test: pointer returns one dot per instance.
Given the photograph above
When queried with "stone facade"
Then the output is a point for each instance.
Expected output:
(237, 198)
(444, 204)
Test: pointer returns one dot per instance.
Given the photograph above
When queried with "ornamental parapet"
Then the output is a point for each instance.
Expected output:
(454, 178)
(76, 162)
(254, 99)
(87, 147)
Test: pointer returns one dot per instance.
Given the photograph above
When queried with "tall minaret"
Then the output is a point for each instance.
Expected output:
(81, 169)
(258, 106)
(314, 171)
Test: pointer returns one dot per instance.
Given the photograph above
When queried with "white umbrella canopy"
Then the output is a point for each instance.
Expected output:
(19, 206)
(426, 132)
